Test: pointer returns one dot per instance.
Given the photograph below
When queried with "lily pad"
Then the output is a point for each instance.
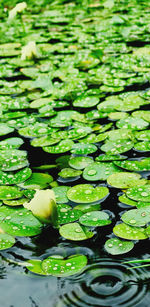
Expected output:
(6, 241)
(140, 193)
(142, 146)
(61, 194)
(95, 218)
(130, 233)
(83, 149)
(15, 178)
(61, 147)
(135, 165)
(136, 217)
(124, 180)
(116, 246)
(127, 201)
(99, 171)
(37, 181)
(75, 232)
(7, 192)
(69, 172)
(86, 193)
(64, 267)
(80, 162)
(117, 147)
(134, 123)
(19, 222)
(86, 102)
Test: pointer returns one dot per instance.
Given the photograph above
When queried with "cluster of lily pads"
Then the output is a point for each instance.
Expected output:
(75, 83)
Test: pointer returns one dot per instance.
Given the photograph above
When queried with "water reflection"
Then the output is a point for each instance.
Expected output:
(105, 283)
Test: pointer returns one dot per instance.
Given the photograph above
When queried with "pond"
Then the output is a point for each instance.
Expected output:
(74, 153)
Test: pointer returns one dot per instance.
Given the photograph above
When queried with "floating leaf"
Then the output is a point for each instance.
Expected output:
(75, 232)
(124, 180)
(95, 218)
(66, 215)
(86, 193)
(83, 149)
(61, 194)
(99, 171)
(61, 147)
(69, 172)
(117, 147)
(80, 162)
(15, 178)
(140, 193)
(37, 181)
(136, 217)
(130, 233)
(135, 165)
(6, 241)
(10, 192)
(116, 246)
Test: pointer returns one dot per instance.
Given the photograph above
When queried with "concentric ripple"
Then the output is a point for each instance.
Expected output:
(106, 283)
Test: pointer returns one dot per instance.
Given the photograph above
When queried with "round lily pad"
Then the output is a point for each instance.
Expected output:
(86, 193)
(7, 192)
(37, 129)
(117, 147)
(14, 178)
(134, 123)
(83, 149)
(35, 266)
(44, 141)
(64, 267)
(135, 165)
(69, 172)
(86, 102)
(140, 193)
(19, 222)
(142, 135)
(6, 241)
(116, 246)
(37, 181)
(66, 215)
(61, 147)
(95, 218)
(99, 171)
(5, 129)
(15, 202)
(109, 157)
(136, 217)
(124, 180)
(84, 208)
(129, 232)
(11, 143)
(75, 232)
(80, 162)
(142, 146)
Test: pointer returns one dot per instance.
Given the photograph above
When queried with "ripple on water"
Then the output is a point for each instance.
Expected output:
(106, 283)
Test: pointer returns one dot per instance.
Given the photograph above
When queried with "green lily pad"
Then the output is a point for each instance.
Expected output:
(61, 194)
(134, 123)
(64, 267)
(142, 146)
(11, 143)
(19, 222)
(127, 201)
(86, 102)
(95, 218)
(66, 215)
(15, 178)
(61, 147)
(86, 193)
(83, 149)
(7, 192)
(75, 232)
(15, 202)
(37, 181)
(124, 180)
(142, 135)
(117, 147)
(69, 172)
(37, 129)
(44, 141)
(129, 232)
(6, 241)
(136, 217)
(99, 171)
(35, 266)
(5, 129)
(116, 246)
(140, 193)
(80, 162)
(135, 165)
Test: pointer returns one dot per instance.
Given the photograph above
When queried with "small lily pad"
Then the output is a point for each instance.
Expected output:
(135, 165)
(117, 147)
(69, 172)
(80, 162)
(140, 193)
(64, 267)
(86, 102)
(75, 232)
(124, 180)
(83, 149)
(95, 218)
(6, 241)
(129, 232)
(44, 141)
(61, 147)
(84, 208)
(134, 123)
(37, 181)
(127, 201)
(67, 215)
(142, 146)
(109, 157)
(116, 246)
(99, 171)
(7, 192)
(5, 129)
(136, 217)
(86, 193)
(15, 178)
